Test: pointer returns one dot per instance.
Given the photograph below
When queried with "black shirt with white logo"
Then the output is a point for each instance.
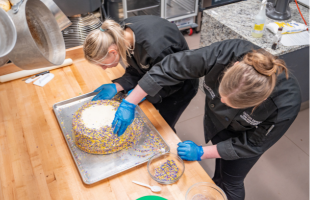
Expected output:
(155, 38)
(250, 133)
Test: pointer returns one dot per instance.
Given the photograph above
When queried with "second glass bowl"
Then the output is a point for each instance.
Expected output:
(166, 168)
(205, 191)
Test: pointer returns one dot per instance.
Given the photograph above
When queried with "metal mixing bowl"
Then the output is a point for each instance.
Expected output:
(8, 36)
(39, 39)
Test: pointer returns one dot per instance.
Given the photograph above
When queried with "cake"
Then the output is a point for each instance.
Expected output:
(93, 132)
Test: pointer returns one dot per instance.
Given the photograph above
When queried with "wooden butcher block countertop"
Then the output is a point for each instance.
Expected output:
(35, 161)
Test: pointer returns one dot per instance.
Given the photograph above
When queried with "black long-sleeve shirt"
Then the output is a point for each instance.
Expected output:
(155, 38)
(252, 133)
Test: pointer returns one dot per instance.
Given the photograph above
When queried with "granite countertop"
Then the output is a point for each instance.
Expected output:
(235, 21)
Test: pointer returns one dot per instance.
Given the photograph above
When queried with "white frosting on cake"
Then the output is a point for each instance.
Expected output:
(98, 116)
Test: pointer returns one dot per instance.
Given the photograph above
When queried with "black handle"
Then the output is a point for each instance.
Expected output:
(42, 73)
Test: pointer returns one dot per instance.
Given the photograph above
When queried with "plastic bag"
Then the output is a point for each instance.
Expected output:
(288, 28)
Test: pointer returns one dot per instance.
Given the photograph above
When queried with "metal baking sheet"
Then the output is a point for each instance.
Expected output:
(94, 168)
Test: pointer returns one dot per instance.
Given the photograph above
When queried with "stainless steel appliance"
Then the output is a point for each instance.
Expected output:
(172, 10)
(81, 26)
(205, 4)
(278, 9)
(76, 7)
(39, 40)
(83, 21)
(8, 36)
(60, 17)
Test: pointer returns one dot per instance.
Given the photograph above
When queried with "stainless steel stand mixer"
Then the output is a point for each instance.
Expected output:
(278, 9)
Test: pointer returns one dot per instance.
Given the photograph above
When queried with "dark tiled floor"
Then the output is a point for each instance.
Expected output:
(282, 173)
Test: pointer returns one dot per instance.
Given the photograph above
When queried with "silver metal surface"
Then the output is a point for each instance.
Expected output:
(4, 60)
(125, 8)
(76, 34)
(146, 7)
(176, 8)
(187, 26)
(94, 168)
(139, 9)
(154, 11)
(171, 10)
(16, 7)
(138, 5)
(39, 40)
(13, 2)
(62, 20)
(278, 10)
(8, 36)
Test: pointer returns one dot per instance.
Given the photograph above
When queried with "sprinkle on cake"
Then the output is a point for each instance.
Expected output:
(92, 129)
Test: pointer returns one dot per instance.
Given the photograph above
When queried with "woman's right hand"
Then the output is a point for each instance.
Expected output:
(105, 92)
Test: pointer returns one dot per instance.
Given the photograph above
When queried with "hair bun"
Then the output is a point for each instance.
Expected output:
(265, 63)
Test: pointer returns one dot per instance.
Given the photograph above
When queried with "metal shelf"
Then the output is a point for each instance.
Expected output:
(140, 9)
(172, 10)
(138, 5)
(176, 8)
(145, 12)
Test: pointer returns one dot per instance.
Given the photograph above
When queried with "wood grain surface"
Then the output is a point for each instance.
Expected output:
(35, 161)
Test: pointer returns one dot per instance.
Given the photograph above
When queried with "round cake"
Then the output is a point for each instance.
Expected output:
(93, 132)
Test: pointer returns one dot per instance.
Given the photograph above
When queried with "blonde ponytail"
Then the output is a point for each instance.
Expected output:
(251, 81)
(97, 42)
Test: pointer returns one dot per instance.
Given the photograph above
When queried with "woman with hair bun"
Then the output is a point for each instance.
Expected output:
(251, 101)
(140, 43)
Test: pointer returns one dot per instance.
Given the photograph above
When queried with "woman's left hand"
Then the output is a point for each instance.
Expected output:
(124, 116)
(188, 150)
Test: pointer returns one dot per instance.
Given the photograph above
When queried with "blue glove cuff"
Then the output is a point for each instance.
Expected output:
(128, 104)
(131, 91)
(200, 152)
(114, 86)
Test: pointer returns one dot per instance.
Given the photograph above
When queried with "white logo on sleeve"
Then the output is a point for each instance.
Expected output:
(246, 117)
(209, 90)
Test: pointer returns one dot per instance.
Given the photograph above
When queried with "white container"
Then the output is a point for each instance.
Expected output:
(259, 21)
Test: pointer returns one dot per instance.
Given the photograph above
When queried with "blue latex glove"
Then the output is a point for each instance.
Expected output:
(124, 116)
(106, 92)
(131, 91)
(188, 150)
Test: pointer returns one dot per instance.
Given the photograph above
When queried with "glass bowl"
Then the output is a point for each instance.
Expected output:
(205, 191)
(166, 168)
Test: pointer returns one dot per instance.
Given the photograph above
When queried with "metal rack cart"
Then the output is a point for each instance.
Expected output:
(180, 12)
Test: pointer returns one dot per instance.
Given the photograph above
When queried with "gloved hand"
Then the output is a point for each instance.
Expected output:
(124, 116)
(106, 92)
(188, 150)
(131, 91)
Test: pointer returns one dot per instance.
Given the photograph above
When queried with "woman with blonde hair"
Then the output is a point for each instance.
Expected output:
(251, 101)
(140, 43)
